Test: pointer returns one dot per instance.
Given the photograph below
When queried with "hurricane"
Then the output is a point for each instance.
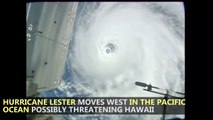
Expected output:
(115, 44)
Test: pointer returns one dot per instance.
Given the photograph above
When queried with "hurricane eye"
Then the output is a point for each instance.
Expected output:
(110, 48)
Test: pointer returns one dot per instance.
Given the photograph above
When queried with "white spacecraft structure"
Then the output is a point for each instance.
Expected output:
(48, 34)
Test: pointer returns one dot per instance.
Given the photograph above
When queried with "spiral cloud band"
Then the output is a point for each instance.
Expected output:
(116, 44)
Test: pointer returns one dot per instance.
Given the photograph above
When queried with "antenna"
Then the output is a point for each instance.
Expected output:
(150, 87)
(166, 95)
